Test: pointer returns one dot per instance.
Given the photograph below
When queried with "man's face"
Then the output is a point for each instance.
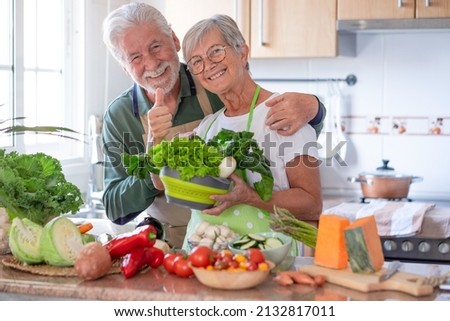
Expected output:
(150, 57)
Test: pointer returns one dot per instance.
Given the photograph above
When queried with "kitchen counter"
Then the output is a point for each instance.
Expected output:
(157, 285)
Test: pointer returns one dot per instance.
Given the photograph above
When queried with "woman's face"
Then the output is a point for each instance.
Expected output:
(222, 76)
(150, 57)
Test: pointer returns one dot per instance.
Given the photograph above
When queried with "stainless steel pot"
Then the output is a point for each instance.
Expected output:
(385, 183)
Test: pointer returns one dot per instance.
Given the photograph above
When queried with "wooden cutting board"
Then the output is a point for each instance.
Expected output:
(401, 281)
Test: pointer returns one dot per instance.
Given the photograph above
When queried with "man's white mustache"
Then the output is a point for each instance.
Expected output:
(156, 73)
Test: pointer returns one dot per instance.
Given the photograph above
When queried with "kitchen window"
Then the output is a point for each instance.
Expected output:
(41, 73)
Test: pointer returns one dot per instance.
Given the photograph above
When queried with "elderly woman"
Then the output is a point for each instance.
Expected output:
(217, 55)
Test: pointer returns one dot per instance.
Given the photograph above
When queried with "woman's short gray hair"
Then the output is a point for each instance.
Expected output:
(128, 16)
(223, 23)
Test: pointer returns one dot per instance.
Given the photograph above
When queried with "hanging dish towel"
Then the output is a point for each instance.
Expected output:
(396, 218)
(332, 139)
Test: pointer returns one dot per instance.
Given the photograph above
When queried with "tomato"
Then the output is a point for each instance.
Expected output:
(255, 255)
(168, 262)
(233, 264)
(181, 267)
(201, 256)
(252, 266)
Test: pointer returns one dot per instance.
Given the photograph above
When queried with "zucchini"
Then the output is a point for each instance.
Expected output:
(273, 243)
(248, 245)
(257, 241)
(256, 237)
(241, 241)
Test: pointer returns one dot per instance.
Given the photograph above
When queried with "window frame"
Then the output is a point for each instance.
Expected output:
(75, 163)
(72, 81)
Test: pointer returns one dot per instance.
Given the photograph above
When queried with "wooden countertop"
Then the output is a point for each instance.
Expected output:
(156, 284)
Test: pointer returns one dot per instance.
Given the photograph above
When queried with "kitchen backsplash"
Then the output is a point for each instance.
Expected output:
(399, 109)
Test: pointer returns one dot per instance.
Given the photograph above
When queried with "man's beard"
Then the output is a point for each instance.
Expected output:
(167, 83)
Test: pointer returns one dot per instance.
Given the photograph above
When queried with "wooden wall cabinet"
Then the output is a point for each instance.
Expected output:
(272, 28)
(392, 9)
(293, 28)
(182, 14)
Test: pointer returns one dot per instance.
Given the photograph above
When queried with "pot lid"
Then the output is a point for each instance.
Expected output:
(385, 171)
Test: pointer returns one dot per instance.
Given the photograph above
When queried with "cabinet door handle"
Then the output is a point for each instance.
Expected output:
(261, 23)
(400, 3)
(427, 3)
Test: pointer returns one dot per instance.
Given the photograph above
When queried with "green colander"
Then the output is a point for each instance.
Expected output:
(194, 193)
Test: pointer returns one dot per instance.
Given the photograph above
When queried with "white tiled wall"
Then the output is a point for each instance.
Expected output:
(403, 78)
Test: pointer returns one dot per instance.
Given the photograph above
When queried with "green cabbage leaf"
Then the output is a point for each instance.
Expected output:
(33, 186)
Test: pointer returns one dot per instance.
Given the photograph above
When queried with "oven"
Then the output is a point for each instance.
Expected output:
(417, 249)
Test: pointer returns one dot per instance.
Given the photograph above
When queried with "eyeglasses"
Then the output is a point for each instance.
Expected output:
(215, 53)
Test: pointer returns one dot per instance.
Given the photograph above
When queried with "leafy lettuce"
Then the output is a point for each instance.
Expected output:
(192, 156)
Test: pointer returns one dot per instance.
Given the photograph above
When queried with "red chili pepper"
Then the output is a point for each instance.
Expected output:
(142, 236)
(132, 262)
(152, 257)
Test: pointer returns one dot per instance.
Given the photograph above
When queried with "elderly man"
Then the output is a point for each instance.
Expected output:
(141, 40)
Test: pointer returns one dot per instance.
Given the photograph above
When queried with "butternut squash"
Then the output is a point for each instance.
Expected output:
(363, 245)
(330, 249)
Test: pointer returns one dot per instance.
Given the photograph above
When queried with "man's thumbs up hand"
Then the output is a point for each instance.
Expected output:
(159, 118)
(159, 97)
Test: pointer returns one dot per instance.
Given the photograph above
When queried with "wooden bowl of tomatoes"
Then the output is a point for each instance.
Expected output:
(227, 271)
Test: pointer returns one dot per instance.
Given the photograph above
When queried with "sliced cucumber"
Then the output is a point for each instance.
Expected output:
(273, 243)
(256, 237)
(249, 244)
(241, 241)
(257, 241)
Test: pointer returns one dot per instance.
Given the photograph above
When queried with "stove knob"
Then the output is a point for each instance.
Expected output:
(424, 247)
(443, 248)
(390, 245)
(407, 246)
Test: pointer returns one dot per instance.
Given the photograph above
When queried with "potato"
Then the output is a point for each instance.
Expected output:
(93, 261)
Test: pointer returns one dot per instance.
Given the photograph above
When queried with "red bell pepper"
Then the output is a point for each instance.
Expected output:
(152, 257)
(140, 257)
(132, 262)
(122, 244)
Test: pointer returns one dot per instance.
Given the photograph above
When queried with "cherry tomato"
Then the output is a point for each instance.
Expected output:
(168, 262)
(220, 265)
(233, 264)
(181, 267)
(252, 266)
(255, 255)
(201, 256)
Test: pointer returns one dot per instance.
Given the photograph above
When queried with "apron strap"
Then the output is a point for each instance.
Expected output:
(203, 98)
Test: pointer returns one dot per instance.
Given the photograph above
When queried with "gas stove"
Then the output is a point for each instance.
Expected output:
(416, 249)
(366, 200)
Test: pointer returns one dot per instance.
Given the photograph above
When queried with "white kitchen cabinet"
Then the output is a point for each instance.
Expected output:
(392, 9)
(272, 28)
